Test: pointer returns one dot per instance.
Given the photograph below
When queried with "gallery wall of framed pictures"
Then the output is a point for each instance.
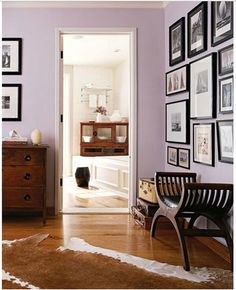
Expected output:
(11, 66)
(203, 79)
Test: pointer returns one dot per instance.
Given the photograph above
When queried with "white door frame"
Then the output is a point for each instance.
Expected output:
(132, 32)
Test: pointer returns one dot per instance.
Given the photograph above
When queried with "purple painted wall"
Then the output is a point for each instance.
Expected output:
(36, 26)
(222, 172)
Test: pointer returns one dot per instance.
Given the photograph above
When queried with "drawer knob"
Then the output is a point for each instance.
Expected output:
(95, 133)
(27, 176)
(27, 157)
(27, 197)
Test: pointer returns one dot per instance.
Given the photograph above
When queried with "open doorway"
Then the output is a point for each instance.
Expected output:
(96, 74)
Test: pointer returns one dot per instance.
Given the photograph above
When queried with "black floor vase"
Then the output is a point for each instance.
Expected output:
(82, 176)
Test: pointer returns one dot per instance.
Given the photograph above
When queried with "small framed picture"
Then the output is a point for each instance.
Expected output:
(11, 56)
(177, 80)
(226, 60)
(225, 141)
(172, 156)
(204, 144)
(226, 95)
(177, 42)
(197, 29)
(203, 87)
(221, 21)
(177, 122)
(184, 158)
(11, 102)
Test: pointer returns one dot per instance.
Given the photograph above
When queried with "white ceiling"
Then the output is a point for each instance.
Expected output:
(95, 50)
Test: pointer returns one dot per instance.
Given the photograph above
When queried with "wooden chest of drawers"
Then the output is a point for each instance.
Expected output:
(24, 178)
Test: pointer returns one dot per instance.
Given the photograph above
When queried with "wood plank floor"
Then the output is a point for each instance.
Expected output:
(117, 232)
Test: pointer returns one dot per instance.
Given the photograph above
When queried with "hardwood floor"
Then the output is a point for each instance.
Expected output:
(117, 232)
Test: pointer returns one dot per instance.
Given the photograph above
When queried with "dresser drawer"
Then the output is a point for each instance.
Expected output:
(22, 197)
(23, 176)
(15, 156)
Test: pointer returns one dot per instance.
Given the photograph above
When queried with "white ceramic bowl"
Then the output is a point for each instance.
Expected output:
(120, 139)
(87, 138)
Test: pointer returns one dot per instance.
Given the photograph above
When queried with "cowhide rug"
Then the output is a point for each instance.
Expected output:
(82, 266)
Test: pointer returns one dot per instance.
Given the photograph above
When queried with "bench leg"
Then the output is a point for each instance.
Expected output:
(158, 213)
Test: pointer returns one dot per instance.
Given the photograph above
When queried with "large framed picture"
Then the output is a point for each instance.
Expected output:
(177, 80)
(184, 158)
(203, 87)
(172, 156)
(225, 140)
(226, 94)
(221, 21)
(177, 42)
(226, 60)
(197, 29)
(11, 102)
(177, 122)
(204, 143)
(11, 56)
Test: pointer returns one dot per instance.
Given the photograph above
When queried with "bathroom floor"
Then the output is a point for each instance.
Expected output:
(91, 197)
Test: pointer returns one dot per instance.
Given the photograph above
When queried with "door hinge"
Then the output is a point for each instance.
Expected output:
(61, 118)
(61, 182)
(61, 54)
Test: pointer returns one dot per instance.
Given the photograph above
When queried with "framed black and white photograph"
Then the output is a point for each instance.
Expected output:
(11, 102)
(225, 140)
(11, 56)
(203, 87)
(172, 156)
(226, 94)
(197, 29)
(221, 21)
(226, 60)
(177, 81)
(177, 122)
(184, 158)
(177, 42)
(204, 144)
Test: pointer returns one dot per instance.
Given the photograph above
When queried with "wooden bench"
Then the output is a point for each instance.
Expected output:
(179, 196)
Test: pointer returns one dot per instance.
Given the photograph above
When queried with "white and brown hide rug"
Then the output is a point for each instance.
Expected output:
(82, 266)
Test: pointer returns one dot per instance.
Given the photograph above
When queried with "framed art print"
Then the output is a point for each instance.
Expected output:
(172, 155)
(226, 94)
(225, 140)
(204, 144)
(11, 102)
(226, 60)
(177, 122)
(177, 81)
(221, 21)
(184, 158)
(11, 56)
(197, 29)
(177, 42)
(203, 87)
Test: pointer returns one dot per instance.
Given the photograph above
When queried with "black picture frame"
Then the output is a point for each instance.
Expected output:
(184, 160)
(203, 87)
(221, 21)
(225, 141)
(177, 42)
(177, 122)
(226, 95)
(226, 60)
(11, 56)
(172, 155)
(11, 102)
(177, 80)
(204, 143)
(197, 29)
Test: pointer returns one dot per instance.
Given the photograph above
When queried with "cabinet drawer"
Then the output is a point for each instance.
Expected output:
(23, 176)
(15, 156)
(22, 197)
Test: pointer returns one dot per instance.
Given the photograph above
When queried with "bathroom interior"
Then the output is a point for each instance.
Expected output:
(96, 91)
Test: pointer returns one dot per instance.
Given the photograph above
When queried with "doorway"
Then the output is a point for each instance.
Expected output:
(96, 79)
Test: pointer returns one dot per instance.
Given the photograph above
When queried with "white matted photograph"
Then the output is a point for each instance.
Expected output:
(11, 56)
(225, 141)
(226, 60)
(226, 94)
(184, 157)
(177, 81)
(172, 155)
(11, 102)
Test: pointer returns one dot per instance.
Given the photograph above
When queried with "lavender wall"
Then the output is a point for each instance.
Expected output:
(222, 172)
(37, 29)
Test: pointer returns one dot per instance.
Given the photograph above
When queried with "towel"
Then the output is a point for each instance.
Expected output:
(92, 101)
